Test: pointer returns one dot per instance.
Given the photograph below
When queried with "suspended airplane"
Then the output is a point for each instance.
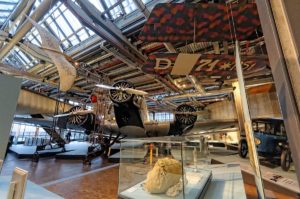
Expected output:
(131, 120)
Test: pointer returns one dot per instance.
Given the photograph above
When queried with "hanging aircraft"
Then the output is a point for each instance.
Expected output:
(131, 120)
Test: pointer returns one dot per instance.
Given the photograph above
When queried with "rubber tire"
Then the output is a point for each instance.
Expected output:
(243, 148)
(285, 156)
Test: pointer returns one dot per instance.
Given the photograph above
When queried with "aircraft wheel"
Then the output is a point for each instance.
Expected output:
(35, 157)
(87, 163)
(285, 160)
(243, 148)
(119, 96)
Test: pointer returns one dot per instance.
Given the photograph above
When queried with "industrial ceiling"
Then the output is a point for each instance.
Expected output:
(102, 36)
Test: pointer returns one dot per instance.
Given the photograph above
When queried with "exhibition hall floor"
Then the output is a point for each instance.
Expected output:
(49, 169)
(71, 180)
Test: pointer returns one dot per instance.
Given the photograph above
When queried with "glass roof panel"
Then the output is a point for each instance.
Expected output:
(19, 59)
(4, 14)
(116, 12)
(146, 1)
(97, 4)
(76, 25)
(82, 34)
(57, 31)
(129, 6)
(64, 26)
(6, 7)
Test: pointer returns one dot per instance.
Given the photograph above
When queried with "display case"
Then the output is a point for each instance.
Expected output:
(164, 167)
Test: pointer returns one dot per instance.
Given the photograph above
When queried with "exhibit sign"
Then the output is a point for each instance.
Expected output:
(186, 22)
(208, 65)
(67, 72)
(9, 89)
(275, 178)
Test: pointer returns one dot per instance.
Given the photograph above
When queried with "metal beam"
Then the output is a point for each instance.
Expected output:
(91, 17)
(283, 85)
(140, 4)
(249, 84)
(196, 84)
(36, 16)
(23, 7)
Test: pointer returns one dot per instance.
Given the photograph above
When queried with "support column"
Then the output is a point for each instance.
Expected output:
(239, 109)
(284, 89)
(248, 124)
(286, 16)
(9, 89)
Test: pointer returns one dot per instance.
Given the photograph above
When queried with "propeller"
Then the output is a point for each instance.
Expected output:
(127, 90)
(78, 112)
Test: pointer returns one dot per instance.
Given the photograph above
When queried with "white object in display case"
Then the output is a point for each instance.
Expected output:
(139, 156)
(199, 178)
(197, 182)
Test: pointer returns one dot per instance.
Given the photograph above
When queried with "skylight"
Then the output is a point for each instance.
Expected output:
(63, 25)
(6, 8)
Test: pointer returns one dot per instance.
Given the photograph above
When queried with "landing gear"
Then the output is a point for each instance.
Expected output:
(101, 149)
(94, 151)
(243, 148)
(36, 157)
(285, 160)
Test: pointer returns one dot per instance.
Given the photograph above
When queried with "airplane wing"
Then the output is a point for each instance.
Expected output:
(43, 122)
(206, 127)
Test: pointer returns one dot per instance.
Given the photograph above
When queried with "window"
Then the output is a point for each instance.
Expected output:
(22, 131)
(129, 6)
(162, 116)
(63, 25)
(7, 6)
(98, 5)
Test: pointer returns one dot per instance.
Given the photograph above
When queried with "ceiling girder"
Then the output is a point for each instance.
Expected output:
(23, 7)
(26, 26)
(87, 15)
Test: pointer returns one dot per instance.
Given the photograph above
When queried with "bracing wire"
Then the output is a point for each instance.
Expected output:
(231, 35)
(233, 24)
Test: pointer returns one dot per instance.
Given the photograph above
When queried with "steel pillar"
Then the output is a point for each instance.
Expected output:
(286, 17)
(239, 109)
(286, 97)
(253, 157)
(9, 89)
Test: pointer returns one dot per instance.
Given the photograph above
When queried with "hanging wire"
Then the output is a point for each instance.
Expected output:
(233, 24)
(257, 36)
(194, 38)
(231, 35)
(54, 123)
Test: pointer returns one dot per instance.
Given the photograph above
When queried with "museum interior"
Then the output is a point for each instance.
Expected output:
(149, 99)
